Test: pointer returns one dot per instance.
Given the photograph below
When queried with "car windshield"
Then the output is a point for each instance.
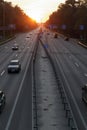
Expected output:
(14, 63)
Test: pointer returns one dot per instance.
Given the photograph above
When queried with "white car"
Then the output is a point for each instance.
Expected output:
(14, 66)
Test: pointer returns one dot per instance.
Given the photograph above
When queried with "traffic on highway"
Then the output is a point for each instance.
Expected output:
(43, 65)
(16, 88)
(22, 88)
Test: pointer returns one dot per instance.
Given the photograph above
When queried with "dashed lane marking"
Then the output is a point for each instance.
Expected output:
(2, 72)
(77, 64)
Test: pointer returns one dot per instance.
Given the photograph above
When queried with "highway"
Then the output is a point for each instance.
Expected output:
(70, 60)
(71, 63)
(17, 114)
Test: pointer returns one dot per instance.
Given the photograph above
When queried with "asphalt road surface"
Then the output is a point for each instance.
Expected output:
(17, 114)
(71, 60)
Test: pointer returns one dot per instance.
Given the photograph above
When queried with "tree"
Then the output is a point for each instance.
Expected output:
(73, 14)
(14, 15)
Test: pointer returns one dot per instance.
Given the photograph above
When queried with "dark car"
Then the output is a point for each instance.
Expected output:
(55, 35)
(14, 66)
(27, 37)
(66, 39)
(84, 93)
(15, 47)
(2, 101)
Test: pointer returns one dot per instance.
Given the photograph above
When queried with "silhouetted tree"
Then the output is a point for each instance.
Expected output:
(73, 14)
(15, 15)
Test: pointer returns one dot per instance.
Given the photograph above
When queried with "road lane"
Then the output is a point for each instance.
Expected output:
(73, 65)
(21, 115)
(10, 83)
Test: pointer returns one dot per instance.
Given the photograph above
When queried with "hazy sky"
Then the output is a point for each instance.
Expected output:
(38, 9)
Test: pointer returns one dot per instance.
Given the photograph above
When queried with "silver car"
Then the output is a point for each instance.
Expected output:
(14, 66)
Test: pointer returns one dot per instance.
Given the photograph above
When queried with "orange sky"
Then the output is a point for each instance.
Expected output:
(38, 9)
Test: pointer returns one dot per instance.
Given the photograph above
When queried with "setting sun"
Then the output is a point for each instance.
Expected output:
(36, 15)
(38, 10)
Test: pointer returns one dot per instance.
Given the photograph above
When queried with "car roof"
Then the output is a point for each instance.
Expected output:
(14, 61)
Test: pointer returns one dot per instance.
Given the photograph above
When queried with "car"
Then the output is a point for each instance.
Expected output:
(15, 47)
(2, 100)
(84, 93)
(55, 35)
(27, 37)
(14, 66)
(66, 39)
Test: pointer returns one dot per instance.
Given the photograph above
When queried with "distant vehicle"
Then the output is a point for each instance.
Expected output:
(14, 66)
(48, 33)
(66, 39)
(2, 101)
(84, 93)
(15, 47)
(55, 35)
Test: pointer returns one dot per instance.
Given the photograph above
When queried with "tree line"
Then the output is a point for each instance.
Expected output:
(70, 18)
(14, 17)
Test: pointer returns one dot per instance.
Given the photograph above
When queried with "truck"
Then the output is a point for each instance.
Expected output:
(84, 93)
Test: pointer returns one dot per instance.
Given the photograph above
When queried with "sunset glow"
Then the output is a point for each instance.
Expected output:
(39, 10)
(36, 14)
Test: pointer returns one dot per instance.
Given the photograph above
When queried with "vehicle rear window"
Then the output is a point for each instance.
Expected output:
(14, 63)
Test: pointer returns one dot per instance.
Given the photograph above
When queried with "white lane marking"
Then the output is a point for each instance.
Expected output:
(16, 55)
(77, 64)
(2, 72)
(74, 100)
(85, 74)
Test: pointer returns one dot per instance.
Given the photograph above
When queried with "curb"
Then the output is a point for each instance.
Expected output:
(82, 44)
(3, 42)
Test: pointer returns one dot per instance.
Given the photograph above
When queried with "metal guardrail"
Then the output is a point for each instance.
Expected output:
(69, 114)
(35, 122)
